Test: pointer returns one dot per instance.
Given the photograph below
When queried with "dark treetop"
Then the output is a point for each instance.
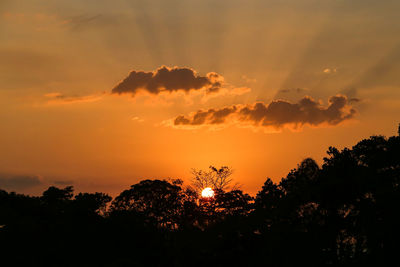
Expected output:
(344, 213)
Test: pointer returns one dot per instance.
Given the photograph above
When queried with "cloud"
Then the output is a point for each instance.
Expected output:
(277, 114)
(293, 90)
(354, 100)
(167, 79)
(19, 182)
(56, 98)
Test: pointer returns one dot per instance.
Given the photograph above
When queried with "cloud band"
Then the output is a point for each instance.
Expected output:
(276, 114)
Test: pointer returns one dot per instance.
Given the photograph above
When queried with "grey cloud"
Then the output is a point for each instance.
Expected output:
(19, 182)
(296, 90)
(354, 100)
(169, 80)
(211, 116)
(277, 114)
(59, 98)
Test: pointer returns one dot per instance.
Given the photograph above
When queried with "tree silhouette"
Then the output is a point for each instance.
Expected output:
(343, 213)
(92, 203)
(218, 179)
(159, 201)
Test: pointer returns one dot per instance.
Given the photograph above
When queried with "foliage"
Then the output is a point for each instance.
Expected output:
(343, 213)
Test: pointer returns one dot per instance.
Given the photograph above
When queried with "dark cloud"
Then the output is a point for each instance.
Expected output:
(59, 98)
(167, 79)
(211, 116)
(296, 90)
(354, 100)
(19, 182)
(277, 114)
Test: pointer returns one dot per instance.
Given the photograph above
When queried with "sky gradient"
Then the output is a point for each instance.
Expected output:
(102, 94)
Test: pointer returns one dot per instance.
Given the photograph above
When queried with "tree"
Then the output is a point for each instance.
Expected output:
(56, 195)
(359, 188)
(299, 180)
(157, 200)
(233, 203)
(344, 213)
(218, 179)
(92, 203)
(221, 178)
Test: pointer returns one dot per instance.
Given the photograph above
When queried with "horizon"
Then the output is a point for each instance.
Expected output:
(101, 95)
(204, 191)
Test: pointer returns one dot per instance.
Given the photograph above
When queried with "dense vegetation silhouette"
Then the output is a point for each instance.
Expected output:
(344, 213)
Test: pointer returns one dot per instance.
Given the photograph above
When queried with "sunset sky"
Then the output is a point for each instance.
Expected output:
(101, 94)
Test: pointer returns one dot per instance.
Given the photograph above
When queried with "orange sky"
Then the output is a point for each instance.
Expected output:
(61, 122)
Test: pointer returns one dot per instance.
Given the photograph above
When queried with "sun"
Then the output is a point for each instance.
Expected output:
(207, 192)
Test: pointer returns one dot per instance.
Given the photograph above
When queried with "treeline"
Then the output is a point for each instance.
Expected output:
(344, 213)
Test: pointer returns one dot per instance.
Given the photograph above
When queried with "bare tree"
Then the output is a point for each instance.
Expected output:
(201, 179)
(218, 179)
(221, 178)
